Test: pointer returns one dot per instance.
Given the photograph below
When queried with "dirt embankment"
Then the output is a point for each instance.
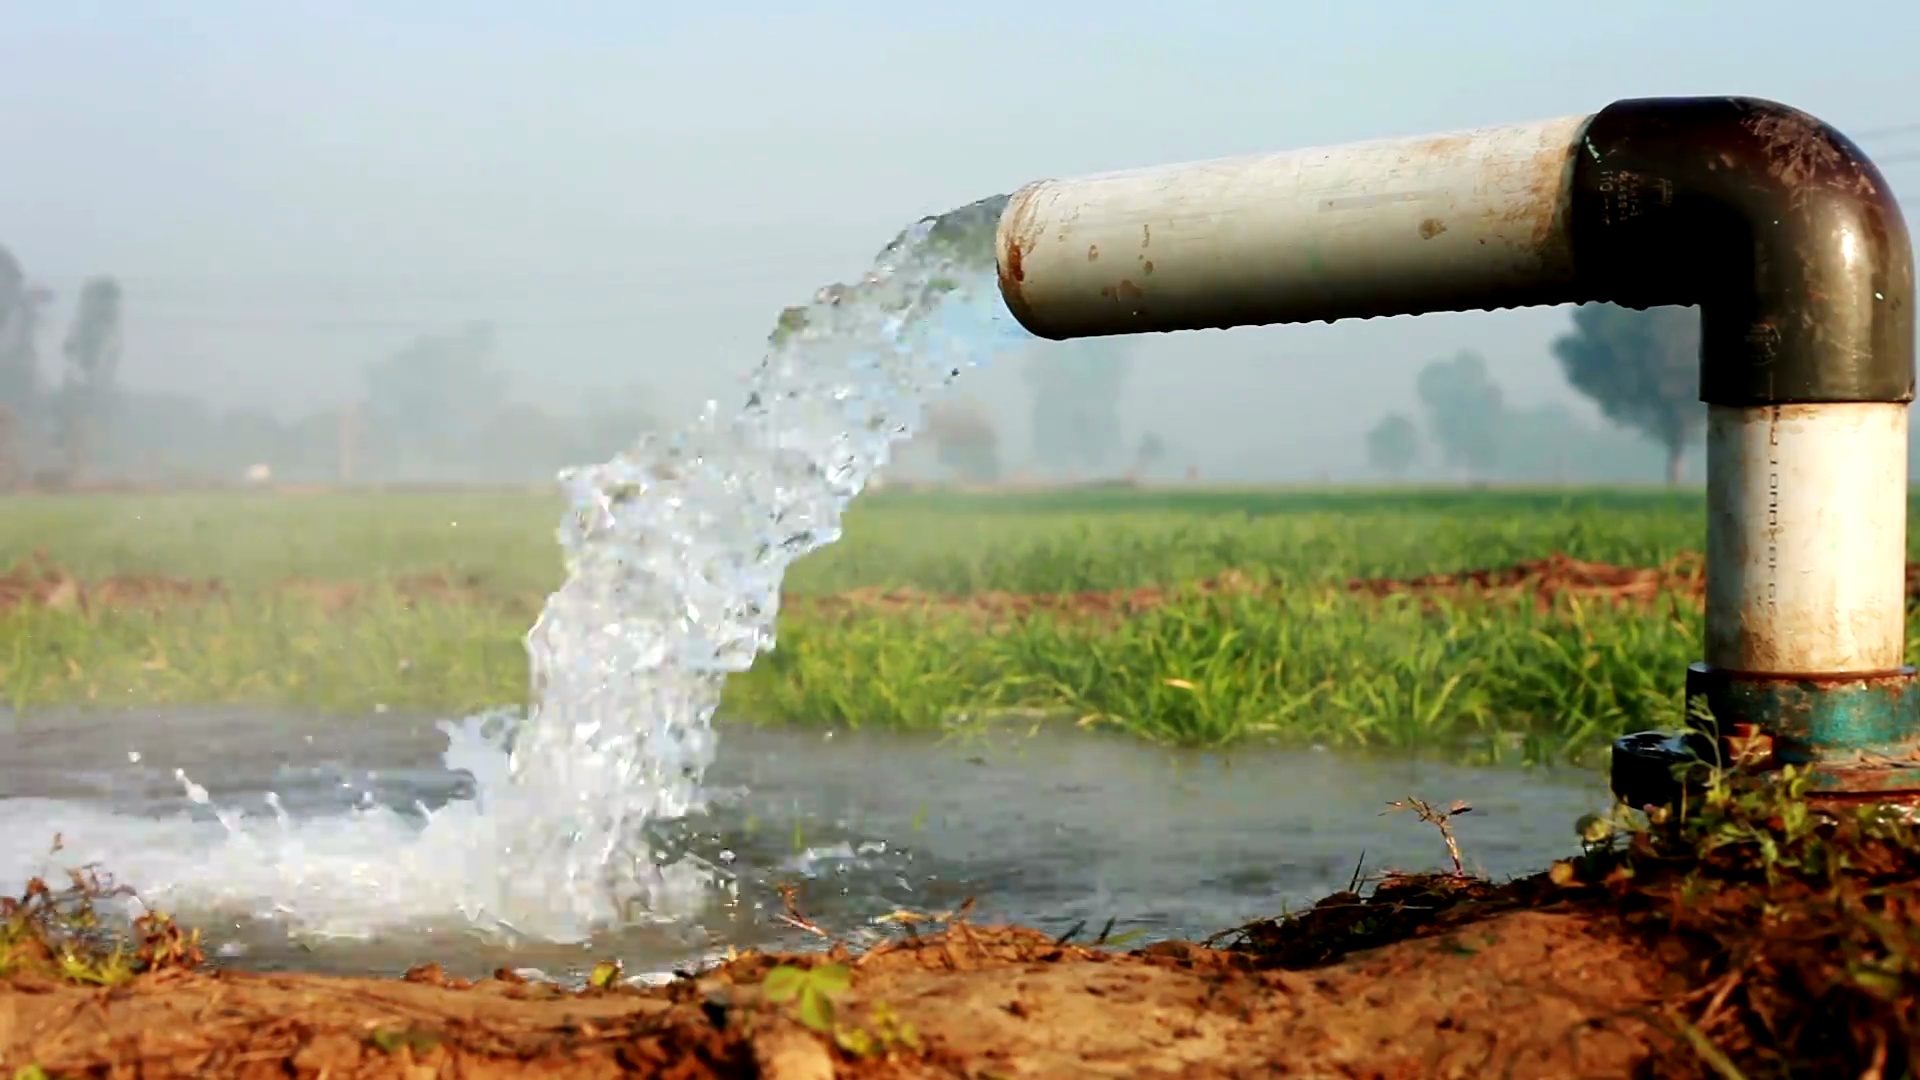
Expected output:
(1540, 994)
(1545, 583)
(1757, 939)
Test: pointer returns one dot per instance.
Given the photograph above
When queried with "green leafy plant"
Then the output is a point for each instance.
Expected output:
(812, 991)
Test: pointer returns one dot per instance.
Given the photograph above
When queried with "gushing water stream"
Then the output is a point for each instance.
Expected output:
(675, 552)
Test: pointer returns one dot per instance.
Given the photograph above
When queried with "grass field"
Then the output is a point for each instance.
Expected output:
(1307, 663)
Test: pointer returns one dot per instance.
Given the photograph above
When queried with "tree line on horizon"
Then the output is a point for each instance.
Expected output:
(439, 408)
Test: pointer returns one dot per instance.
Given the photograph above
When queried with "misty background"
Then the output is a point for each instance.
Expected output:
(425, 242)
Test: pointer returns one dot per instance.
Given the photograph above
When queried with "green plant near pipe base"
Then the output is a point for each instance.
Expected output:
(1784, 903)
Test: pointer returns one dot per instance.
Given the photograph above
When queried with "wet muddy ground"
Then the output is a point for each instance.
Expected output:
(1753, 938)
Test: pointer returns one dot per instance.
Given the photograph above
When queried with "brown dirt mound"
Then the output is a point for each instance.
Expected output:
(1525, 994)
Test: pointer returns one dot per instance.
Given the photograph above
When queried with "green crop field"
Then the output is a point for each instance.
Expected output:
(1302, 661)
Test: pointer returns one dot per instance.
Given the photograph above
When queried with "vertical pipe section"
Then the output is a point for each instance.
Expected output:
(1786, 236)
(1806, 555)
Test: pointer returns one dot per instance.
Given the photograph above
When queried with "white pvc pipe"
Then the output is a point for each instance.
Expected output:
(1395, 226)
(1806, 537)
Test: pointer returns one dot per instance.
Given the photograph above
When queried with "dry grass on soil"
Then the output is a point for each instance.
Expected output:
(1758, 938)
(1546, 583)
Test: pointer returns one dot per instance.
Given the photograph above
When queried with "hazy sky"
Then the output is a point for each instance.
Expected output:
(632, 191)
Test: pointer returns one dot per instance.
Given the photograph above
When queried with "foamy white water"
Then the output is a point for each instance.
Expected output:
(675, 553)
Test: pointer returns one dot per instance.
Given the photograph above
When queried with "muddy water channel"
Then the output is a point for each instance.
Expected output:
(1047, 828)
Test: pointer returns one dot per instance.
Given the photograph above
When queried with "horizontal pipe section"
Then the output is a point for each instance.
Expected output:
(1777, 226)
(1391, 227)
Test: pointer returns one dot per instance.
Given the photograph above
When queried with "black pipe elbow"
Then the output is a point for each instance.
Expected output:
(1773, 223)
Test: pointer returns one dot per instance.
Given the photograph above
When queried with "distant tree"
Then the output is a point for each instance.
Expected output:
(1150, 451)
(21, 308)
(433, 395)
(965, 441)
(1077, 386)
(1464, 408)
(1642, 368)
(17, 387)
(1393, 445)
(92, 352)
(19, 378)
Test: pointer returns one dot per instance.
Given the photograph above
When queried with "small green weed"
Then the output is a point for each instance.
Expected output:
(812, 991)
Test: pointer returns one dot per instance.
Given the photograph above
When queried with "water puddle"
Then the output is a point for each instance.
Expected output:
(1048, 829)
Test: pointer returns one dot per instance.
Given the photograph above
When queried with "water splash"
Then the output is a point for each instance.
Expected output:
(676, 550)
(675, 553)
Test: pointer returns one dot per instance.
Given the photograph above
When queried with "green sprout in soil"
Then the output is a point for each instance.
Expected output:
(812, 991)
